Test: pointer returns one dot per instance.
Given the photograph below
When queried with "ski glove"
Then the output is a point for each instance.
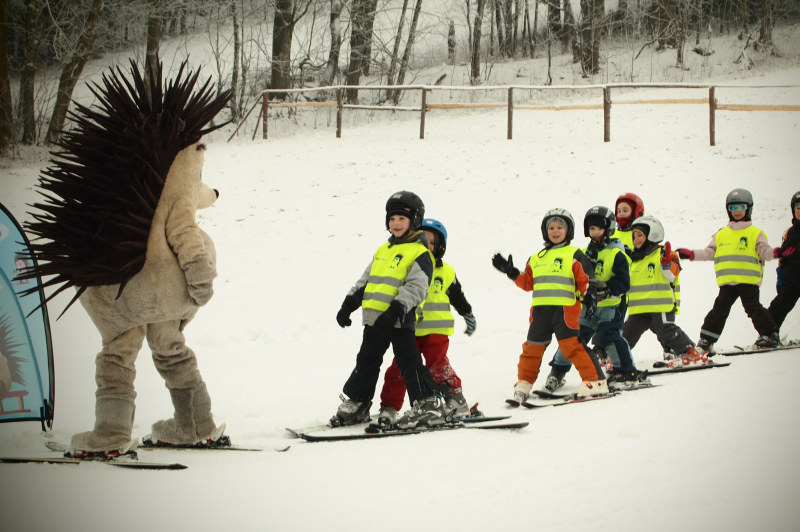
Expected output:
(471, 324)
(506, 266)
(782, 252)
(686, 253)
(348, 306)
(666, 255)
(386, 321)
(601, 289)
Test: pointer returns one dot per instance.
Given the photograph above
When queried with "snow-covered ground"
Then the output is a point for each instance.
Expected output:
(298, 219)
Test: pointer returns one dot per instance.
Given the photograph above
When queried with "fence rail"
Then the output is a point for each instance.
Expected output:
(509, 103)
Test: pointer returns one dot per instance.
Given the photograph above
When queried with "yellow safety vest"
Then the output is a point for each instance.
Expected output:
(389, 270)
(553, 281)
(625, 236)
(436, 317)
(736, 259)
(603, 272)
(650, 291)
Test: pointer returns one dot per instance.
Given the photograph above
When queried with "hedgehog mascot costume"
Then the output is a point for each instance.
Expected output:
(118, 224)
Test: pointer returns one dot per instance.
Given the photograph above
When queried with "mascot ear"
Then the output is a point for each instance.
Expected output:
(207, 196)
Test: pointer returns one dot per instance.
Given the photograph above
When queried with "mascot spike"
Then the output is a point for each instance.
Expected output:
(101, 192)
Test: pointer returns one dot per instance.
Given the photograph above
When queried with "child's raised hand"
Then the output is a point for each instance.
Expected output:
(686, 253)
(471, 324)
(666, 255)
(505, 265)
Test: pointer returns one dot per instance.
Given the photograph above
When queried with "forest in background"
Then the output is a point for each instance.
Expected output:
(276, 44)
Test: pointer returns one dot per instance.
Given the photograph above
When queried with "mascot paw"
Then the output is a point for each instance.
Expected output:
(201, 293)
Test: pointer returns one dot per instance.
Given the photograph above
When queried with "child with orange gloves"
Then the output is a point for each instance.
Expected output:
(435, 326)
(555, 275)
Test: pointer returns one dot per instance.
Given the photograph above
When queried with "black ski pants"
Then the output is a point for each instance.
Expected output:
(663, 325)
(787, 297)
(360, 386)
(728, 294)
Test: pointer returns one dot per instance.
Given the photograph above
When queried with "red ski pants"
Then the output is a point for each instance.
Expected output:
(434, 349)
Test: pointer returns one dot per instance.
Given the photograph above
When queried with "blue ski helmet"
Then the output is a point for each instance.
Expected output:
(440, 236)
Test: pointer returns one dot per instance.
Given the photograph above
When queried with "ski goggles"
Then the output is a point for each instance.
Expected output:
(737, 207)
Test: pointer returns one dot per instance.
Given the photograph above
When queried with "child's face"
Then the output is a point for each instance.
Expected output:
(431, 240)
(738, 215)
(596, 233)
(797, 211)
(556, 232)
(638, 239)
(399, 225)
(624, 210)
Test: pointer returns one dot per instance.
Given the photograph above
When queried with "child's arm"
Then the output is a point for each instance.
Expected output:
(525, 279)
(415, 288)
(457, 298)
(620, 281)
(706, 253)
(764, 250)
(582, 271)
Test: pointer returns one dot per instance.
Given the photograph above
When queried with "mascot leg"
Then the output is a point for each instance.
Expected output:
(192, 421)
(115, 396)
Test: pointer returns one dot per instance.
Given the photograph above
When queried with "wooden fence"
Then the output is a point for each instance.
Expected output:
(509, 103)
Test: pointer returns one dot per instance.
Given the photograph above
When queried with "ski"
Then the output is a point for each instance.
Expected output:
(560, 400)
(222, 444)
(131, 464)
(661, 370)
(407, 432)
(752, 349)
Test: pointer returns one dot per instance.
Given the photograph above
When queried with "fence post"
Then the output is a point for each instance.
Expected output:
(423, 106)
(712, 123)
(510, 112)
(606, 114)
(264, 109)
(338, 113)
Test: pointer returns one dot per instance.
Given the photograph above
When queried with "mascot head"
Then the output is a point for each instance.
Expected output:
(109, 174)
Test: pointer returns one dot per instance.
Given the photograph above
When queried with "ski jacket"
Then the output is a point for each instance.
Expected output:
(739, 251)
(612, 267)
(556, 275)
(434, 315)
(791, 238)
(653, 288)
(400, 270)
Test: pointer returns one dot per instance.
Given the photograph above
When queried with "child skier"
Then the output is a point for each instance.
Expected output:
(738, 251)
(434, 327)
(788, 285)
(628, 207)
(393, 284)
(612, 276)
(652, 300)
(555, 275)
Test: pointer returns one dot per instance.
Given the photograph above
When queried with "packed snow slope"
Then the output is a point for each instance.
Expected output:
(297, 221)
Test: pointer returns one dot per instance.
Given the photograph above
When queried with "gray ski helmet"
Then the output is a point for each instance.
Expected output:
(600, 216)
(740, 195)
(409, 205)
(651, 227)
(565, 217)
(440, 242)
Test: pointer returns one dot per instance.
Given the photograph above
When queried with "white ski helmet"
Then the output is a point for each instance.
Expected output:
(564, 217)
(651, 227)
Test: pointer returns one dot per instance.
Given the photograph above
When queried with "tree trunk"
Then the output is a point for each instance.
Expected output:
(766, 24)
(367, 59)
(396, 50)
(332, 65)
(71, 73)
(27, 82)
(282, 30)
(154, 19)
(235, 102)
(451, 43)
(412, 33)
(6, 118)
(475, 66)
(358, 27)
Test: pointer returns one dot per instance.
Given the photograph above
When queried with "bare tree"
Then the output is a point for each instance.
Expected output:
(27, 82)
(412, 31)
(359, 15)
(396, 49)
(6, 118)
(332, 65)
(72, 71)
(287, 13)
(154, 19)
(475, 52)
(591, 22)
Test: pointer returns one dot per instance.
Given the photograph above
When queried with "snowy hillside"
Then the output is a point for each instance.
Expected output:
(298, 219)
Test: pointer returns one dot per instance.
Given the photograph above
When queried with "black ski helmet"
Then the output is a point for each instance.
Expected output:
(795, 201)
(600, 216)
(565, 217)
(409, 205)
(440, 240)
(739, 195)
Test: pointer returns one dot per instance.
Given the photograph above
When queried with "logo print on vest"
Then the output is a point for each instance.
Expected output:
(437, 285)
(598, 268)
(742, 244)
(558, 265)
(651, 270)
(396, 261)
